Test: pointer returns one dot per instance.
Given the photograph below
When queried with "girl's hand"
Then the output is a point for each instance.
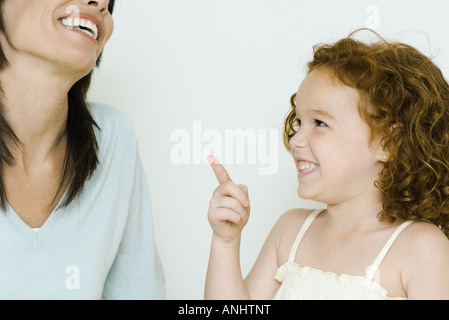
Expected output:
(229, 207)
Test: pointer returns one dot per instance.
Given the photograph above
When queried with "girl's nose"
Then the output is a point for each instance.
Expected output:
(298, 141)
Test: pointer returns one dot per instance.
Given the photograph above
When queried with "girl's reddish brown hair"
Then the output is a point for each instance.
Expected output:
(404, 99)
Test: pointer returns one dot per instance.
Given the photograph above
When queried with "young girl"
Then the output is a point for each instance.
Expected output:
(369, 134)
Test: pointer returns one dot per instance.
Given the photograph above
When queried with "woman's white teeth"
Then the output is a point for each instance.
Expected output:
(84, 25)
(307, 166)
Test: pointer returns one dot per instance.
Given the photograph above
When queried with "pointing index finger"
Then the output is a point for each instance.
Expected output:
(220, 172)
(238, 192)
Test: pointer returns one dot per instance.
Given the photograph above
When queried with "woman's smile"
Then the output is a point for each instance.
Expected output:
(83, 25)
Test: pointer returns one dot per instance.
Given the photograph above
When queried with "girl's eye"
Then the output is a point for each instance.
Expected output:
(319, 123)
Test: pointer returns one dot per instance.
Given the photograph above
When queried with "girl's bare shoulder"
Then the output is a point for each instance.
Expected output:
(293, 218)
(286, 230)
(421, 237)
(423, 251)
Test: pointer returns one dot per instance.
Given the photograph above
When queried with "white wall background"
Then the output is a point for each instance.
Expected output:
(230, 64)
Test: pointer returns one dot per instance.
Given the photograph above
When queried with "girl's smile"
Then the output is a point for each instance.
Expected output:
(305, 167)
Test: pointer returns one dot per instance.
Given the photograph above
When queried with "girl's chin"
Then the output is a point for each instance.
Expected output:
(308, 193)
(305, 194)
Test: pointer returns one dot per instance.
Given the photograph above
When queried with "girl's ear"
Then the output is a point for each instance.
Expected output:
(380, 150)
(384, 149)
(383, 153)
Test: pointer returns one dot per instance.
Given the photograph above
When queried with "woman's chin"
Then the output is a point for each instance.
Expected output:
(77, 63)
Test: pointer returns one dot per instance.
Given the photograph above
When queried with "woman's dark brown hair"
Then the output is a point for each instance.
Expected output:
(404, 99)
(81, 158)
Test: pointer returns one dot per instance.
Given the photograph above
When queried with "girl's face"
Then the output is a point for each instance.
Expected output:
(334, 160)
(70, 33)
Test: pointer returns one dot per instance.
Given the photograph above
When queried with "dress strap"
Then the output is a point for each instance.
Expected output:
(373, 268)
(302, 231)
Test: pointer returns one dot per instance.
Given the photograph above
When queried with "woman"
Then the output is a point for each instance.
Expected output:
(76, 218)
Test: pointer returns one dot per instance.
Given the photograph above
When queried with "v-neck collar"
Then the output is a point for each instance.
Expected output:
(34, 237)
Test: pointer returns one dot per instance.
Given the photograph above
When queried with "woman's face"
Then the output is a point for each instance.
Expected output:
(69, 34)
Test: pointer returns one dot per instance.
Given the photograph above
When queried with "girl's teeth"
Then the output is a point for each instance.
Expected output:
(305, 167)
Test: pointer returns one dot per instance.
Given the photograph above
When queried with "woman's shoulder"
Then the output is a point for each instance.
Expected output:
(109, 117)
(115, 134)
(111, 122)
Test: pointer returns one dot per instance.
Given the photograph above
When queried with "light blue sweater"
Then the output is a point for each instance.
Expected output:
(101, 245)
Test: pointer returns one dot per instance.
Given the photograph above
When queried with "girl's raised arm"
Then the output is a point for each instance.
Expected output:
(228, 214)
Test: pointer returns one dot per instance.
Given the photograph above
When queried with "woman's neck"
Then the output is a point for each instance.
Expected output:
(35, 104)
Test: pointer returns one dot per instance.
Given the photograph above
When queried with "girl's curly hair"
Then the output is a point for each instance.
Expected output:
(404, 99)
